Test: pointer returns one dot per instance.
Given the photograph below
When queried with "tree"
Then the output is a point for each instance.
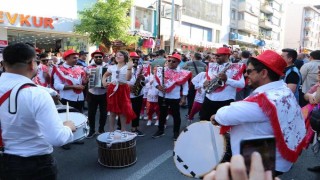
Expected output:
(106, 22)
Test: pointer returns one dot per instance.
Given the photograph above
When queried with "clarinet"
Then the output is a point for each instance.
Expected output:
(164, 93)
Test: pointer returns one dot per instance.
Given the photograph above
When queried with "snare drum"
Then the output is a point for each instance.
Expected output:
(80, 121)
(199, 149)
(117, 153)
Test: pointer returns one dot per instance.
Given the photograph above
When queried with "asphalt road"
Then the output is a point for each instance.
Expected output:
(154, 160)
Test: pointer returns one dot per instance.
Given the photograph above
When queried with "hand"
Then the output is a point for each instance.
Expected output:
(183, 101)
(223, 77)
(71, 125)
(199, 90)
(80, 87)
(312, 99)
(130, 64)
(206, 83)
(213, 120)
(161, 88)
(237, 169)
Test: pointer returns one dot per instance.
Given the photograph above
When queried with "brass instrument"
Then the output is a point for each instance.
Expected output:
(139, 84)
(216, 82)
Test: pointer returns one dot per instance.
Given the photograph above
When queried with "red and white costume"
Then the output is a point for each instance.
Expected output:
(235, 80)
(67, 75)
(39, 79)
(173, 78)
(118, 93)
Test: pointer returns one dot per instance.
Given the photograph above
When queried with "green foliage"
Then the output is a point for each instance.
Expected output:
(106, 21)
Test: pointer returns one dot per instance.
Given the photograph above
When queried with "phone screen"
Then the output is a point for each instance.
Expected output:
(266, 146)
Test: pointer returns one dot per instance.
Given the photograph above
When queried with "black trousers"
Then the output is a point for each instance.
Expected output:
(43, 167)
(191, 96)
(210, 108)
(75, 104)
(136, 106)
(175, 108)
(93, 102)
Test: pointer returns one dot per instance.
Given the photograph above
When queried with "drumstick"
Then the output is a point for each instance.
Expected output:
(67, 114)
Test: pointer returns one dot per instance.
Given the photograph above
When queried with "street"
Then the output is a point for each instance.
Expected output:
(154, 160)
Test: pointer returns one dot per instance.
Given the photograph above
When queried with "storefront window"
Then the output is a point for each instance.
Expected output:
(143, 19)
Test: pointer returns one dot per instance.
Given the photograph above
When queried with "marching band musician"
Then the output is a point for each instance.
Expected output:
(43, 75)
(231, 74)
(118, 91)
(96, 97)
(138, 77)
(169, 95)
(270, 110)
(69, 80)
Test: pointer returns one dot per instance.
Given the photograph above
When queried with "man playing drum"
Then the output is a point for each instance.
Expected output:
(169, 82)
(270, 110)
(69, 80)
(29, 133)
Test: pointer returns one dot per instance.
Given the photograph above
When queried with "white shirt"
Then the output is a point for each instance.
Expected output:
(249, 121)
(175, 93)
(197, 81)
(36, 126)
(67, 94)
(118, 75)
(229, 92)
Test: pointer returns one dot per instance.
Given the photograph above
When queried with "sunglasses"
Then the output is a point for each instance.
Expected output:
(98, 57)
(172, 61)
(75, 57)
(45, 60)
(249, 71)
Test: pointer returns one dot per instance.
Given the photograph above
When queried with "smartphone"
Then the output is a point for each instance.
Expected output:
(265, 145)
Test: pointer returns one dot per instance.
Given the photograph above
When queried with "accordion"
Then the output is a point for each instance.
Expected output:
(95, 77)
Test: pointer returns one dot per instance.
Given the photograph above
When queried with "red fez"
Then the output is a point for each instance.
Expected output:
(97, 52)
(134, 55)
(176, 56)
(69, 53)
(273, 61)
(223, 50)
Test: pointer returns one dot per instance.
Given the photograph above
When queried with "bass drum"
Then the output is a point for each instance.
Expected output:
(199, 149)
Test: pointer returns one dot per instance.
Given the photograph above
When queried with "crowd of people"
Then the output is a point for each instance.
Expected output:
(247, 95)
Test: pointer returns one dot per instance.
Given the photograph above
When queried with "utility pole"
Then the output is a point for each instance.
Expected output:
(172, 28)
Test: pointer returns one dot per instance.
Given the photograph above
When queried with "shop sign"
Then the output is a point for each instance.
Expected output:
(26, 20)
(3, 43)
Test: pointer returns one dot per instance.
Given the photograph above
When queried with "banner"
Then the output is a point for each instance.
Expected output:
(3, 44)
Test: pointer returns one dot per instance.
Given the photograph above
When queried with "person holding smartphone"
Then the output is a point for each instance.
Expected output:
(271, 110)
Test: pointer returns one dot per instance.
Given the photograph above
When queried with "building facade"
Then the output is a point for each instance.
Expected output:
(302, 31)
(256, 24)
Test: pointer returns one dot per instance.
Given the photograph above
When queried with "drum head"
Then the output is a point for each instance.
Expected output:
(77, 118)
(198, 149)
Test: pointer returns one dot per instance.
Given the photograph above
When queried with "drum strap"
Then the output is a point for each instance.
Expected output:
(214, 145)
(4, 97)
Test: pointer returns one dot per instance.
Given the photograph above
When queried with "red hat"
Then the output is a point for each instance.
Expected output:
(69, 53)
(97, 52)
(38, 50)
(273, 61)
(134, 55)
(176, 56)
(223, 50)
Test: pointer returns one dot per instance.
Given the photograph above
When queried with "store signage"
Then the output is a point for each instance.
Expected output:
(26, 20)
(3, 43)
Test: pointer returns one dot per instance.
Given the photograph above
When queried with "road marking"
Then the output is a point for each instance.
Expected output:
(151, 166)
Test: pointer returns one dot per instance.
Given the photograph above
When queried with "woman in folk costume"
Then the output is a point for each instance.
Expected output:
(118, 91)
(270, 110)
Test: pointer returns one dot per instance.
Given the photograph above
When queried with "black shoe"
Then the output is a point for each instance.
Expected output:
(175, 136)
(138, 133)
(66, 147)
(314, 169)
(158, 134)
(91, 135)
(78, 142)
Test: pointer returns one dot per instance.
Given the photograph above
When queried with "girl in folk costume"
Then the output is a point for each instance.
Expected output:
(197, 81)
(43, 75)
(118, 91)
(152, 102)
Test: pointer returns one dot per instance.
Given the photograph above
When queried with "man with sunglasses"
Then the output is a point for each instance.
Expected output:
(96, 96)
(231, 74)
(43, 76)
(169, 83)
(70, 81)
(270, 110)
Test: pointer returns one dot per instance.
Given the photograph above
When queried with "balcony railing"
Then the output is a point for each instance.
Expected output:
(248, 27)
(266, 8)
(265, 24)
